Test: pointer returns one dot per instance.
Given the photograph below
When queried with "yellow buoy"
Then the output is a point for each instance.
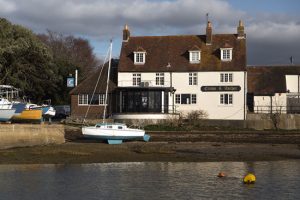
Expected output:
(250, 178)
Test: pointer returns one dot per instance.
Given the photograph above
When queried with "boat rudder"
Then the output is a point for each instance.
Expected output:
(146, 138)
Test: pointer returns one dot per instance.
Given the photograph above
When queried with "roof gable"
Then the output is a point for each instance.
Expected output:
(87, 86)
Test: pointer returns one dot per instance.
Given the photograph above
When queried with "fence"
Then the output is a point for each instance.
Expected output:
(277, 109)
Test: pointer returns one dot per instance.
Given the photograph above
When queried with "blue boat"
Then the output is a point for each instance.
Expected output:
(19, 107)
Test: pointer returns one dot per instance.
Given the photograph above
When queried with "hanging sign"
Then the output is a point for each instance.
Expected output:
(70, 82)
(233, 88)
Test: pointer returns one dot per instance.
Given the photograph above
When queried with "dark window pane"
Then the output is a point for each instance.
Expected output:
(226, 98)
(185, 98)
(95, 100)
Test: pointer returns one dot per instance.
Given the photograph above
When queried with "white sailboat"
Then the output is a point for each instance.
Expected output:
(114, 133)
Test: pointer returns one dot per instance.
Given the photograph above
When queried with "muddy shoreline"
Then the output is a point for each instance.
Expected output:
(203, 146)
(91, 152)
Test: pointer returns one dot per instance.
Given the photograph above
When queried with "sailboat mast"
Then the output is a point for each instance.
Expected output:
(107, 82)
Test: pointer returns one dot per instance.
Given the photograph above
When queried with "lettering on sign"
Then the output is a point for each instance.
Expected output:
(234, 88)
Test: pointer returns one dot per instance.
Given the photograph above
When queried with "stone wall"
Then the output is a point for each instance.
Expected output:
(254, 121)
(21, 135)
(263, 121)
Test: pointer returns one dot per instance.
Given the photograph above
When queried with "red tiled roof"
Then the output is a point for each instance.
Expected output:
(195, 48)
(267, 80)
(162, 50)
(88, 85)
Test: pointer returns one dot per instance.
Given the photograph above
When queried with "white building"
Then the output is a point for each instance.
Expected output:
(163, 75)
(274, 89)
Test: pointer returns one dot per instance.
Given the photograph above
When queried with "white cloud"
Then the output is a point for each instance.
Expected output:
(88, 17)
(272, 31)
(7, 6)
(103, 19)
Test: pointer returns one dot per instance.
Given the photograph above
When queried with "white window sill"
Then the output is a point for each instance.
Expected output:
(226, 83)
(225, 105)
(194, 62)
(138, 63)
(227, 60)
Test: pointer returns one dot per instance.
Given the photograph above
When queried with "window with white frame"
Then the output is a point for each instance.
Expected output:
(193, 78)
(186, 99)
(195, 56)
(226, 77)
(139, 57)
(194, 99)
(177, 98)
(101, 99)
(83, 99)
(160, 79)
(226, 99)
(136, 79)
(226, 54)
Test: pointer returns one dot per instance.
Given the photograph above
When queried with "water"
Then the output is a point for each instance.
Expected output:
(275, 180)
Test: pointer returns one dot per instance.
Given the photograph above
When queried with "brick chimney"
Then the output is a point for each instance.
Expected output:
(208, 33)
(126, 33)
(241, 30)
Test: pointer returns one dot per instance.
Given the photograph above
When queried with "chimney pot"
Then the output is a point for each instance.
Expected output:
(241, 30)
(126, 33)
(209, 33)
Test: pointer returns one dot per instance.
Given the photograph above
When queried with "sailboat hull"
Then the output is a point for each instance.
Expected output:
(113, 134)
(29, 115)
(6, 114)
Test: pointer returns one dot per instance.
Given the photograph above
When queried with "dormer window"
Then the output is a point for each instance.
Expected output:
(195, 56)
(226, 54)
(139, 56)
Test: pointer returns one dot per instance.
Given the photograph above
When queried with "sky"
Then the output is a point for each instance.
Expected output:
(272, 26)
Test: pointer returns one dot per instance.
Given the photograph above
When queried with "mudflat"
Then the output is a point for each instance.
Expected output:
(85, 151)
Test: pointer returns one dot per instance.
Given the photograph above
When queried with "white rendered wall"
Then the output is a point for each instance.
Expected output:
(292, 83)
(206, 101)
(262, 104)
(210, 101)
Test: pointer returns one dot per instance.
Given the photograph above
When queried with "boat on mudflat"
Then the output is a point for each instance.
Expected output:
(6, 114)
(114, 133)
(47, 110)
(29, 115)
(6, 110)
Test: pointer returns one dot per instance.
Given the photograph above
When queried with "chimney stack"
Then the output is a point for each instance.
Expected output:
(208, 33)
(241, 30)
(126, 33)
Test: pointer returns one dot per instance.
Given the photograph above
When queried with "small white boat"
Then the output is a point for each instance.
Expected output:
(114, 133)
(50, 112)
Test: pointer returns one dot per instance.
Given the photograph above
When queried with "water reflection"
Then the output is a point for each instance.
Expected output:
(139, 180)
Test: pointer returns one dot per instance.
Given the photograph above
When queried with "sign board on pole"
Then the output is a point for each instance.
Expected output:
(70, 82)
